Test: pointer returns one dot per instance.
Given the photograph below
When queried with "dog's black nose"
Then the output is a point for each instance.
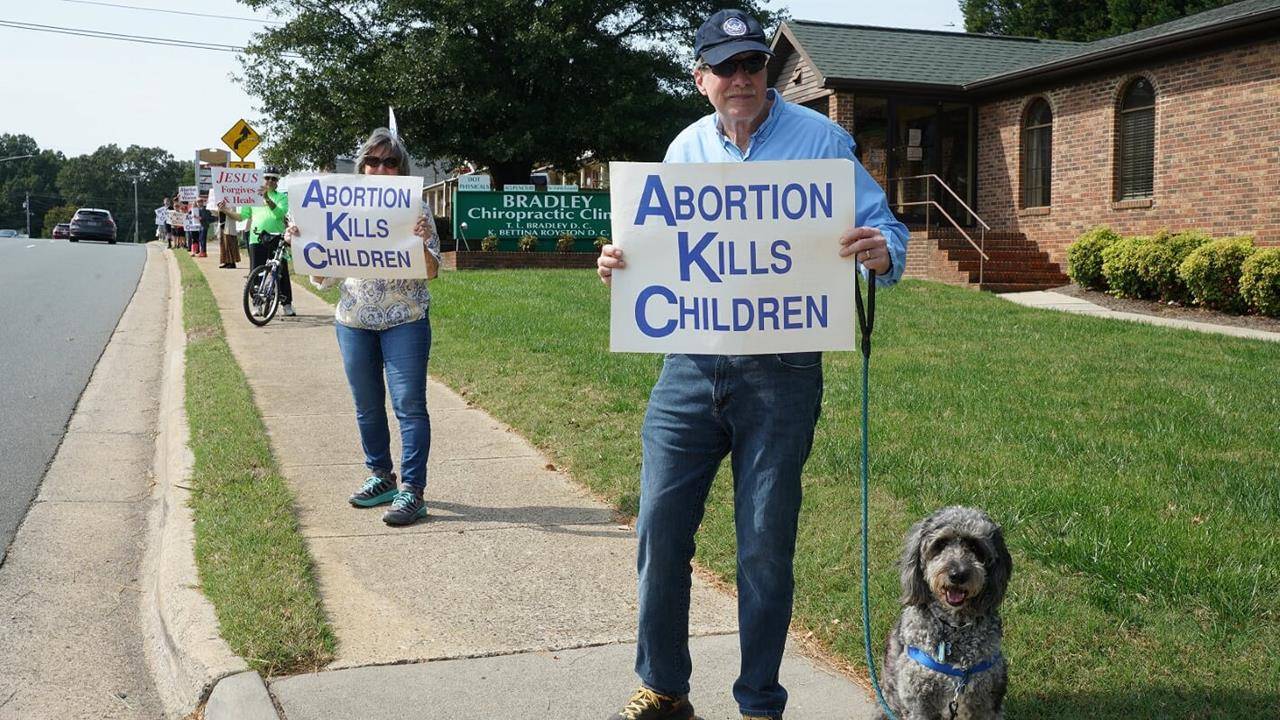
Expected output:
(958, 577)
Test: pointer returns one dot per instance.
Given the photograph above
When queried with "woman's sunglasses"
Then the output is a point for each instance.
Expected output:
(391, 163)
(752, 64)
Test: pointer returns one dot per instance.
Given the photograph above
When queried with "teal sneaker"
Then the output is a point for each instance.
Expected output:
(406, 508)
(377, 490)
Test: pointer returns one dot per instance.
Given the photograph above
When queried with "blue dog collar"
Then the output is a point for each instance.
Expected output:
(961, 674)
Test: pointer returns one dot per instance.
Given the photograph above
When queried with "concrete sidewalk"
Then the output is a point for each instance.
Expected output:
(516, 594)
(1050, 300)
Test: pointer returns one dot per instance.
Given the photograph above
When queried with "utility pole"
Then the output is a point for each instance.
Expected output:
(27, 206)
(135, 209)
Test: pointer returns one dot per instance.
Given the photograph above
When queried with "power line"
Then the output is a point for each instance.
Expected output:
(166, 42)
(175, 12)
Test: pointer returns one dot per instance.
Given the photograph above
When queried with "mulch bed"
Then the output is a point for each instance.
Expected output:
(1180, 312)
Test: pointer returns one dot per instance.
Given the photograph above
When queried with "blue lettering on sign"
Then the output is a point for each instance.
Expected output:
(739, 314)
(689, 257)
(653, 201)
(643, 323)
(333, 224)
(778, 250)
(313, 194)
(713, 203)
(318, 264)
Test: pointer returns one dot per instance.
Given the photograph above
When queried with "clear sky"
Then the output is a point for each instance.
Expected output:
(76, 93)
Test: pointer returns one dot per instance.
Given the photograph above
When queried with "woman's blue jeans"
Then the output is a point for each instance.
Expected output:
(401, 353)
(760, 411)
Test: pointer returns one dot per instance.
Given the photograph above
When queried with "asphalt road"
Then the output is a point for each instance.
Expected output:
(59, 303)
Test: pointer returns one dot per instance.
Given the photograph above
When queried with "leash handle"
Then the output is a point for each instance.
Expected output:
(867, 313)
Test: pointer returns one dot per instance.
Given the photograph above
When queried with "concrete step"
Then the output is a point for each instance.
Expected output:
(1022, 276)
(1016, 287)
(1019, 256)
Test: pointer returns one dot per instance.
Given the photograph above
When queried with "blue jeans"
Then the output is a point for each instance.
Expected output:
(401, 352)
(760, 410)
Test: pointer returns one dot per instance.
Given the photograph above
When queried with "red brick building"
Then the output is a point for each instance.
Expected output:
(1176, 126)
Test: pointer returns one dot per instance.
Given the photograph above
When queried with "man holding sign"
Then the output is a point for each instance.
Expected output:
(745, 228)
(266, 229)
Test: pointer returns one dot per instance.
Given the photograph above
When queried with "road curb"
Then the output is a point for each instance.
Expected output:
(184, 648)
(241, 697)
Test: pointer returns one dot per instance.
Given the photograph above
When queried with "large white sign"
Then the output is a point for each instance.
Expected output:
(240, 187)
(732, 258)
(357, 226)
(188, 193)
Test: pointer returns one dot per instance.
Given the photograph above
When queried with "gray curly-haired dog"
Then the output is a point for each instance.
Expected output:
(943, 660)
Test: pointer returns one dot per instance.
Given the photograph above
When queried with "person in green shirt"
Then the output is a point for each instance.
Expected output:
(266, 230)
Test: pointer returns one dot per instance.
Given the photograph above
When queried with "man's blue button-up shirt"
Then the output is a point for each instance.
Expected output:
(794, 132)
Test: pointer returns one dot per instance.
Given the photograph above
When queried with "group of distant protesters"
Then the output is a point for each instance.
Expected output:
(174, 230)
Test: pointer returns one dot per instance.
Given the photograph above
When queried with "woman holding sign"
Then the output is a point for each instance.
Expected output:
(384, 329)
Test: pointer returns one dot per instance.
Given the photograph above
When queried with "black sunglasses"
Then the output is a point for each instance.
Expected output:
(752, 64)
(391, 163)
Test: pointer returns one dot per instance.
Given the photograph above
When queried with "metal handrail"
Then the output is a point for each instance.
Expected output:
(946, 187)
(929, 202)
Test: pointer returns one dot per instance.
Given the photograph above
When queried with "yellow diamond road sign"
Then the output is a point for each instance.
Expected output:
(241, 139)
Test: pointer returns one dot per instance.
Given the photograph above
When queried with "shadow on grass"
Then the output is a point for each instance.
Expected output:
(1153, 703)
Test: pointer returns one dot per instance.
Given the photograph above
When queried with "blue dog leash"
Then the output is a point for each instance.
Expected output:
(866, 322)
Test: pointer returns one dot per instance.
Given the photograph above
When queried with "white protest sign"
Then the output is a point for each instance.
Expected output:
(240, 187)
(732, 258)
(188, 193)
(175, 217)
(191, 221)
(162, 216)
(357, 226)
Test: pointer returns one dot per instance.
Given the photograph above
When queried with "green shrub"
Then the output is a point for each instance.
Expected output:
(489, 243)
(601, 242)
(564, 243)
(1122, 263)
(1260, 281)
(527, 243)
(1212, 273)
(1084, 257)
(1159, 260)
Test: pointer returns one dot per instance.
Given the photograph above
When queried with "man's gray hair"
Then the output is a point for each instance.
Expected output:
(382, 137)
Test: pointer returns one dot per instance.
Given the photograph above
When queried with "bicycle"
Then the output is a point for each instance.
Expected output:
(262, 289)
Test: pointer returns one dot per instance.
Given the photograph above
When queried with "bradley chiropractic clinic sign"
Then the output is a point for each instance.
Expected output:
(357, 226)
(732, 258)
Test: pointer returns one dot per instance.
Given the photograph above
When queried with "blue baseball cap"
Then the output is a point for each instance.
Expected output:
(728, 33)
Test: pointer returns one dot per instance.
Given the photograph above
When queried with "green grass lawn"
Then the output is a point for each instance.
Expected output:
(1136, 471)
(253, 564)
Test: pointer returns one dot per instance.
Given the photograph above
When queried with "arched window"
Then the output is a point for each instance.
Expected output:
(1136, 149)
(1037, 154)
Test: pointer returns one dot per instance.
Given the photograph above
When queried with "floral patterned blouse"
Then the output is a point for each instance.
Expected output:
(379, 303)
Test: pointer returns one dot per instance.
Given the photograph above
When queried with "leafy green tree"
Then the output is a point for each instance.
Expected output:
(499, 83)
(36, 176)
(1081, 20)
(57, 214)
(104, 179)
